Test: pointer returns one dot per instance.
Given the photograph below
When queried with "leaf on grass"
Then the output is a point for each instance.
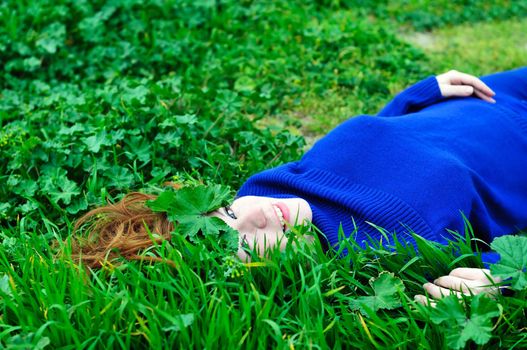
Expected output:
(169, 138)
(460, 328)
(28, 207)
(52, 38)
(55, 183)
(228, 101)
(513, 262)
(5, 286)
(77, 205)
(26, 188)
(189, 206)
(244, 84)
(27, 341)
(179, 322)
(386, 288)
(32, 63)
(186, 119)
(137, 94)
(95, 142)
(70, 130)
(23, 187)
(4, 208)
(120, 177)
(64, 192)
(140, 149)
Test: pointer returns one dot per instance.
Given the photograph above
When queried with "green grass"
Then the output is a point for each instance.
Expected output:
(97, 99)
(486, 48)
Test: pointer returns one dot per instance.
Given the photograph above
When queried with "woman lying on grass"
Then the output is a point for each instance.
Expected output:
(449, 147)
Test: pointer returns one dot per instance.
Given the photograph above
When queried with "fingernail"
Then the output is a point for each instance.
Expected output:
(492, 100)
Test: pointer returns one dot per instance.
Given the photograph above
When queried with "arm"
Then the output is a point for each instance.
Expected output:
(434, 89)
(416, 97)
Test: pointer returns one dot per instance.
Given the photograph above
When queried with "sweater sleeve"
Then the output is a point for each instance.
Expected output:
(489, 258)
(512, 83)
(414, 98)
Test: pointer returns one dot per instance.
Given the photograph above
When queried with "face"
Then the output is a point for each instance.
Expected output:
(262, 221)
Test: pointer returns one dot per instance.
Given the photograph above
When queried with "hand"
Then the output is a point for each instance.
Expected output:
(454, 83)
(462, 280)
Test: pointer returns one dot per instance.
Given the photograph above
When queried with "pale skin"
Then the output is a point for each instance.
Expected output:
(262, 221)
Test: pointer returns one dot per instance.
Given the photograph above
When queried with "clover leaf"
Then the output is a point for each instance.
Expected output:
(513, 262)
(188, 208)
(386, 288)
(460, 328)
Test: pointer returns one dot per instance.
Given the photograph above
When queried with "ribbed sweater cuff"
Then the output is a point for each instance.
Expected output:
(424, 93)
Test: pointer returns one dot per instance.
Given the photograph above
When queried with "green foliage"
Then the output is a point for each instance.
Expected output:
(188, 208)
(426, 15)
(513, 263)
(101, 97)
(463, 324)
(475, 49)
(110, 97)
(386, 289)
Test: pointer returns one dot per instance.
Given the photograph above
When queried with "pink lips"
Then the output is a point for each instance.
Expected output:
(284, 209)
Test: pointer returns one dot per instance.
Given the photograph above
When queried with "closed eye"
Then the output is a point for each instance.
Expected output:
(230, 213)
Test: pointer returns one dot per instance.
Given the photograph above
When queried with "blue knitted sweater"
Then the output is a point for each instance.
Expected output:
(420, 165)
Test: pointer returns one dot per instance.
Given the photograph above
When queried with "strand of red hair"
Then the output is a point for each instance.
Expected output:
(122, 229)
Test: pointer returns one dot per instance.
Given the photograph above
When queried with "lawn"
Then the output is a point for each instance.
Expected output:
(101, 98)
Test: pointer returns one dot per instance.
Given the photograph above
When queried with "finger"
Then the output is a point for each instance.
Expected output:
(467, 79)
(484, 97)
(463, 285)
(474, 274)
(456, 90)
(438, 292)
(421, 299)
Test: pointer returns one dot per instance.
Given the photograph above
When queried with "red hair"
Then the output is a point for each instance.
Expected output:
(121, 229)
